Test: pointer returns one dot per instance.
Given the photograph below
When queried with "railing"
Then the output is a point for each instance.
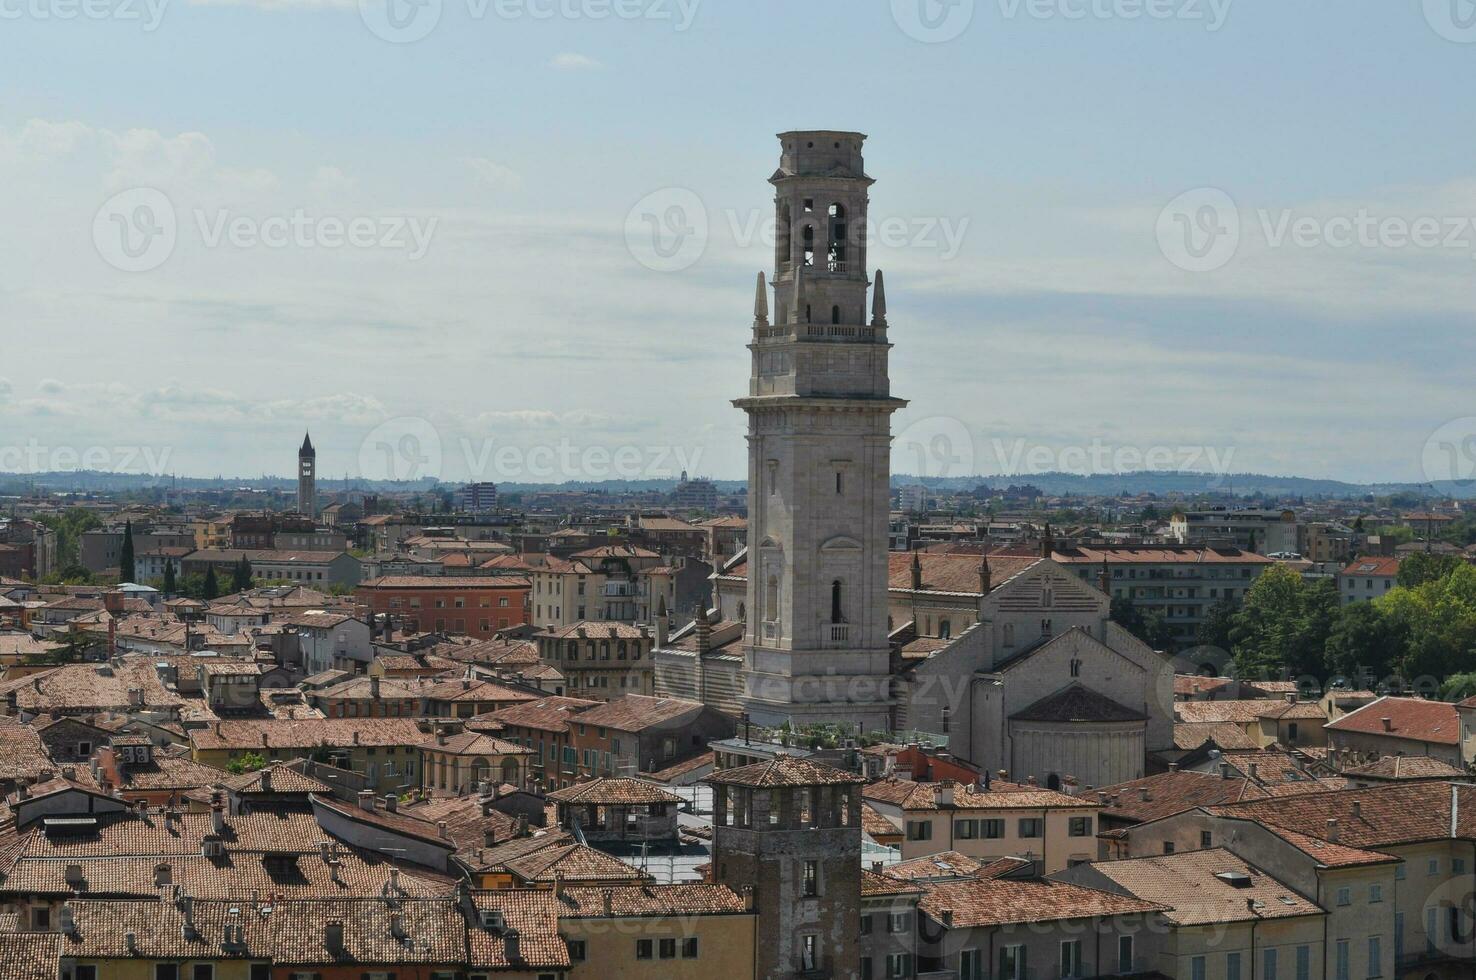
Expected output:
(622, 590)
(771, 631)
(840, 632)
(836, 331)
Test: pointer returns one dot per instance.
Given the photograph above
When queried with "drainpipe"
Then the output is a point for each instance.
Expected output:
(1255, 922)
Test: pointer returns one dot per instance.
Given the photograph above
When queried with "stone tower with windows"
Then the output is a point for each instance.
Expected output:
(307, 478)
(819, 441)
(790, 830)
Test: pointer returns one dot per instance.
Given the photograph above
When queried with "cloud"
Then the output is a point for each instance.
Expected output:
(497, 176)
(573, 61)
(6, 389)
(50, 386)
(332, 180)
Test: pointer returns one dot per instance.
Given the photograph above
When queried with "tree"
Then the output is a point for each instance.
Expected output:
(241, 576)
(69, 527)
(1422, 567)
(1283, 625)
(250, 762)
(126, 569)
(211, 588)
(1219, 620)
(1364, 642)
(1151, 627)
(1438, 622)
(169, 582)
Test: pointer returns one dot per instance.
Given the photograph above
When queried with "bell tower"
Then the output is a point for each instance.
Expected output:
(307, 478)
(819, 442)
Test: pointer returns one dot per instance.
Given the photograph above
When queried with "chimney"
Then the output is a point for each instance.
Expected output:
(1291, 697)
(1143, 794)
(943, 794)
(112, 638)
(877, 866)
(1332, 830)
(66, 921)
(1173, 767)
(489, 838)
(607, 897)
(266, 779)
(1357, 810)
(391, 802)
(366, 799)
(217, 814)
(916, 573)
(374, 687)
(1254, 771)
(522, 825)
(1227, 771)
(703, 629)
(1388, 723)
(748, 899)
(441, 828)
(946, 916)
(559, 884)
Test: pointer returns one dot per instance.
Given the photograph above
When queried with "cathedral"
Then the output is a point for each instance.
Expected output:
(1012, 658)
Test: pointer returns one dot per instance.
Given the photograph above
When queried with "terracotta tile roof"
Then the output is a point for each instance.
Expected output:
(471, 689)
(594, 631)
(1225, 734)
(283, 778)
(1001, 795)
(1374, 566)
(473, 743)
(1243, 711)
(434, 932)
(1076, 703)
(468, 822)
(874, 884)
(1409, 718)
(785, 771)
(982, 902)
(615, 551)
(876, 825)
(1328, 853)
(681, 768)
(951, 573)
(549, 714)
(1379, 816)
(637, 712)
(405, 823)
(613, 792)
(943, 866)
(30, 955)
(632, 901)
(1188, 684)
(1392, 767)
(307, 733)
(446, 583)
(572, 862)
(1158, 555)
(85, 688)
(1190, 886)
(1168, 793)
(497, 858)
(126, 835)
(534, 913)
(167, 773)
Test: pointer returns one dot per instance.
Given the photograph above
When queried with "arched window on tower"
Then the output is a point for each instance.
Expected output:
(835, 314)
(807, 239)
(835, 602)
(771, 600)
(945, 629)
(782, 238)
(836, 250)
(742, 612)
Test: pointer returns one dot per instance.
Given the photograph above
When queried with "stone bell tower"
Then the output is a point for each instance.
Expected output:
(819, 442)
(307, 478)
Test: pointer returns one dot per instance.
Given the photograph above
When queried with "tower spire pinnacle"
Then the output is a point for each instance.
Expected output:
(879, 302)
(761, 302)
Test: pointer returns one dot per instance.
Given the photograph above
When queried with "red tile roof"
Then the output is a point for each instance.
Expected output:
(1408, 718)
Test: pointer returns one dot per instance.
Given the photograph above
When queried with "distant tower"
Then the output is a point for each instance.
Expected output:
(819, 445)
(790, 830)
(307, 478)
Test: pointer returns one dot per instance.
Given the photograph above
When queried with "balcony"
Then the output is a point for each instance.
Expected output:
(839, 633)
(620, 590)
(771, 630)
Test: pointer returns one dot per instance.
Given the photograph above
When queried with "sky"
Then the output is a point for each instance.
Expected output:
(516, 240)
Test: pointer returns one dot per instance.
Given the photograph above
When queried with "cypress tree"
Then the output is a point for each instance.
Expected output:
(169, 582)
(212, 587)
(125, 556)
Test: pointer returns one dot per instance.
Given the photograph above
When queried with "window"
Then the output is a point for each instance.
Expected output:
(812, 879)
(1232, 966)
(261, 971)
(1376, 956)
(1375, 894)
(1345, 896)
(1434, 867)
(85, 973)
(41, 920)
(965, 829)
(1030, 827)
(1400, 872)
(166, 971)
(577, 950)
(1196, 968)
(1081, 827)
(643, 949)
(810, 952)
(1168, 847)
(919, 830)
(899, 965)
(899, 922)
(1268, 962)
(1012, 963)
(667, 949)
(1457, 866)
(970, 965)
(1342, 959)
(1071, 958)
(203, 971)
(1206, 840)
(866, 968)
(866, 925)
(689, 948)
(991, 829)
(1124, 954)
(1304, 963)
